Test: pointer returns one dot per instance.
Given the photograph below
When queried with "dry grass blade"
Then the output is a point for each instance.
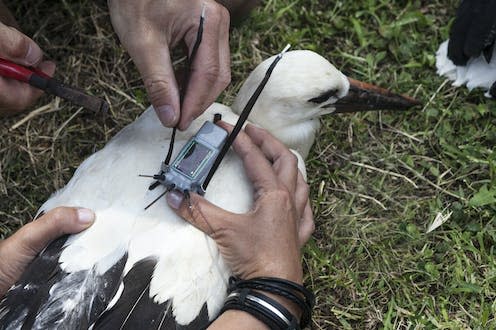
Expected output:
(369, 167)
(122, 93)
(47, 108)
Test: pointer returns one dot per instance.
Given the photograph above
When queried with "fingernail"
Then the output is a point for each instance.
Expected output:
(174, 199)
(166, 115)
(85, 216)
(31, 56)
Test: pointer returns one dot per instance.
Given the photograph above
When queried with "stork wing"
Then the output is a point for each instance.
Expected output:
(31, 295)
(46, 297)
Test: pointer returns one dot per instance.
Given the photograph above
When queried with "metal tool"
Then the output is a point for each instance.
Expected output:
(40, 80)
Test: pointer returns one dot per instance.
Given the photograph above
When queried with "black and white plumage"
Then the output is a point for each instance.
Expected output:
(468, 56)
(150, 269)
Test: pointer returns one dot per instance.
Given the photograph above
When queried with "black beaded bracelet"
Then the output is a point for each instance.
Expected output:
(265, 309)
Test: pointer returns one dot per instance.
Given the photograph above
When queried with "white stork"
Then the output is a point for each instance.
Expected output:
(137, 269)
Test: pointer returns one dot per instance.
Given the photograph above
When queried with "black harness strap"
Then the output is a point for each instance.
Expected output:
(242, 118)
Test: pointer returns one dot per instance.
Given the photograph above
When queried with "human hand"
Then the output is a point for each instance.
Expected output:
(149, 29)
(265, 241)
(15, 96)
(17, 251)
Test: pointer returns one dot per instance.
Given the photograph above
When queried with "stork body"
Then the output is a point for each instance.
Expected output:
(150, 269)
(468, 57)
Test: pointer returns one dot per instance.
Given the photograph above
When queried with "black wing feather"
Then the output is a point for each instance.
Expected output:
(136, 289)
(28, 302)
(482, 32)
(473, 32)
(135, 309)
(31, 290)
(458, 33)
(492, 90)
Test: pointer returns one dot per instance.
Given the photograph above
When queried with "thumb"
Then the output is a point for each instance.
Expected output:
(199, 212)
(36, 235)
(19, 48)
(155, 66)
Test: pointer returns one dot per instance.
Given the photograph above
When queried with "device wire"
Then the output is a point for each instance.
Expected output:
(242, 118)
(199, 37)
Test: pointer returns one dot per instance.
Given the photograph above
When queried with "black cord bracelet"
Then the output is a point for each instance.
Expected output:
(309, 296)
(282, 291)
(294, 292)
(265, 309)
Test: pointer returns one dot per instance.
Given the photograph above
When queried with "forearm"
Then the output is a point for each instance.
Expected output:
(6, 16)
(233, 319)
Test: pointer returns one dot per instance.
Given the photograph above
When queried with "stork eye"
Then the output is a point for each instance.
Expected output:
(324, 96)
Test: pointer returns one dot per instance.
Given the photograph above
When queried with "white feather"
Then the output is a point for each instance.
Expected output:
(440, 218)
(477, 73)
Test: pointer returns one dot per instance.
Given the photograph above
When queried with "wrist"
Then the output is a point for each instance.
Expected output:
(292, 307)
(242, 319)
(259, 305)
(293, 273)
(279, 303)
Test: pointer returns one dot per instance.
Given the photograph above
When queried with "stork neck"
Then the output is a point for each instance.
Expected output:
(298, 136)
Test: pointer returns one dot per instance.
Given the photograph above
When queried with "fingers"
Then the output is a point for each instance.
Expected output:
(284, 162)
(47, 67)
(151, 56)
(144, 29)
(199, 212)
(150, 29)
(34, 236)
(16, 96)
(307, 225)
(257, 167)
(301, 194)
(210, 71)
(18, 48)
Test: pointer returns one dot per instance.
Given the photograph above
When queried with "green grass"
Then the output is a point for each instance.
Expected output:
(378, 179)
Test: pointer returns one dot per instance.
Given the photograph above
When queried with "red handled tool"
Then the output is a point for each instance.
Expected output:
(40, 80)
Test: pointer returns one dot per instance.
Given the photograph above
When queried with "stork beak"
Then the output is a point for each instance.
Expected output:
(366, 97)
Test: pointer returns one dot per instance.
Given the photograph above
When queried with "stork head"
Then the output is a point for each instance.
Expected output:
(303, 87)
